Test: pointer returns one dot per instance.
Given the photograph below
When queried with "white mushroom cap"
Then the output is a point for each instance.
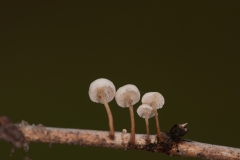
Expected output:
(100, 86)
(127, 93)
(144, 110)
(153, 97)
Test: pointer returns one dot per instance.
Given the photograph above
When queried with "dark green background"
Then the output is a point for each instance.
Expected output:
(50, 52)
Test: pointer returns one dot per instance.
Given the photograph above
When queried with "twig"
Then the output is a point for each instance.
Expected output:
(101, 139)
(172, 145)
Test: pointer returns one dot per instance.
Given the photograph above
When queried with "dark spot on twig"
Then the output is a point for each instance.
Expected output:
(178, 131)
(97, 136)
(200, 155)
(132, 146)
(171, 140)
(102, 142)
(111, 137)
(150, 147)
(10, 132)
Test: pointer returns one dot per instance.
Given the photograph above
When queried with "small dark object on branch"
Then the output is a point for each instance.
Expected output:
(178, 131)
(10, 132)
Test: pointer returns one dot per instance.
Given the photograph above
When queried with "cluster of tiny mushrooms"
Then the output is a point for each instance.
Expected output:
(103, 91)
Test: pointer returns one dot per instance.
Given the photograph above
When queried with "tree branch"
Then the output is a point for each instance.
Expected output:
(172, 145)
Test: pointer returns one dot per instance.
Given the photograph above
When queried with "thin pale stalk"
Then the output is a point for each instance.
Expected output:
(110, 118)
(147, 128)
(157, 123)
(132, 124)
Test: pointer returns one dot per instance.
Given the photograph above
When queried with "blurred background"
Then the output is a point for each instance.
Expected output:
(50, 52)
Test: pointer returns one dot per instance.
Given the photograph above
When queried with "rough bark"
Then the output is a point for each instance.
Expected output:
(20, 134)
(101, 139)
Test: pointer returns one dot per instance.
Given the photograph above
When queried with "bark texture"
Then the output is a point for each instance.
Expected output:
(20, 134)
(171, 146)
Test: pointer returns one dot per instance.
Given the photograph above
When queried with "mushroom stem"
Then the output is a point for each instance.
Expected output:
(157, 123)
(147, 128)
(110, 118)
(132, 124)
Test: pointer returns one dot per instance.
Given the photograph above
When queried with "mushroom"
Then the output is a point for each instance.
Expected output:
(103, 91)
(127, 96)
(146, 111)
(156, 101)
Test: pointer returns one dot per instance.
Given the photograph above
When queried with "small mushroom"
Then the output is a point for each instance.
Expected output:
(146, 111)
(127, 96)
(156, 101)
(103, 91)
